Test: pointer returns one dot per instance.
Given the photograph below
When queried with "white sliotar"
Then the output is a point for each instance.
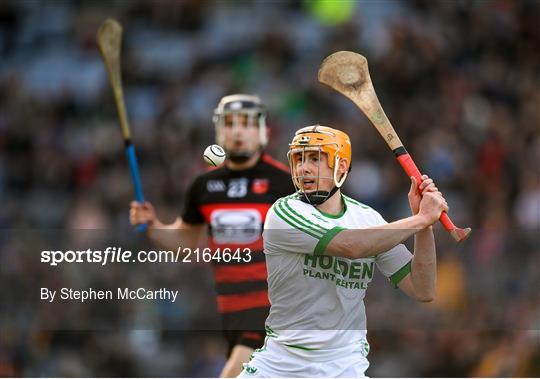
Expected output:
(214, 155)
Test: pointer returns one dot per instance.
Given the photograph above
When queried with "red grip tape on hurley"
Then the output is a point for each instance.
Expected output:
(410, 168)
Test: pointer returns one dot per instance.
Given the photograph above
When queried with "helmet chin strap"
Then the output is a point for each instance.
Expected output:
(319, 197)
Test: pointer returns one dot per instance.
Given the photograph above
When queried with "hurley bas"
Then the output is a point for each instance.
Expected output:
(121, 294)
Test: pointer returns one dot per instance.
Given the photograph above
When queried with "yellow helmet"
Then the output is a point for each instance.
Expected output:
(335, 143)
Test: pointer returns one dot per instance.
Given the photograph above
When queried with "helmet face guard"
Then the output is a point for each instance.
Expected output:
(324, 140)
(240, 110)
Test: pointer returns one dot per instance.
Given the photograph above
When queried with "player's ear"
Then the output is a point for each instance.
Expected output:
(343, 166)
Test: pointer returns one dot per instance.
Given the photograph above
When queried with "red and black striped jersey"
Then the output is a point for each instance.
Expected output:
(234, 204)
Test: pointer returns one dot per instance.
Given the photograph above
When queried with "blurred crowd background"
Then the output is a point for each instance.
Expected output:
(460, 81)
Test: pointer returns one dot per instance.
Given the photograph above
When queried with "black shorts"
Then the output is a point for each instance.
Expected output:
(245, 328)
(250, 338)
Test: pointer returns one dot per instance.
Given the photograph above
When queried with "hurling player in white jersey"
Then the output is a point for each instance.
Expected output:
(321, 248)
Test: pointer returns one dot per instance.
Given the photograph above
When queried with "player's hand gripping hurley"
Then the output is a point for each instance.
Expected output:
(109, 40)
(347, 73)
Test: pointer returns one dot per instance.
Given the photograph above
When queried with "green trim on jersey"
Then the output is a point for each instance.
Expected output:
(263, 348)
(400, 274)
(270, 332)
(325, 240)
(339, 215)
(352, 201)
(317, 226)
(300, 347)
(297, 221)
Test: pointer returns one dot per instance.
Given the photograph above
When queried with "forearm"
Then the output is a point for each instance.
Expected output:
(172, 236)
(424, 265)
(361, 243)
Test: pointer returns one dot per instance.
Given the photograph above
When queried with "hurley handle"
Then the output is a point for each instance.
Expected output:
(410, 168)
(136, 178)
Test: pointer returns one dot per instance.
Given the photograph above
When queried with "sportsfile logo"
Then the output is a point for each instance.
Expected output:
(112, 255)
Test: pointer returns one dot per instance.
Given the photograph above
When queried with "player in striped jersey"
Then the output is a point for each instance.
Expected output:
(321, 249)
(230, 203)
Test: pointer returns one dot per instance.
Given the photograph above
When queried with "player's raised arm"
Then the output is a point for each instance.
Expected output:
(360, 243)
(168, 236)
(420, 283)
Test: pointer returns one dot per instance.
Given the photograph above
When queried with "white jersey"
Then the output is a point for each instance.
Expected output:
(317, 308)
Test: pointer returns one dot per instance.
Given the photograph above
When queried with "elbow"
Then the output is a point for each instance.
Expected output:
(347, 251)
(425, 298)
(357, 250)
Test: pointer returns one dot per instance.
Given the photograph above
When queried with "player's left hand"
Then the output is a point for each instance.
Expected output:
(416, 191)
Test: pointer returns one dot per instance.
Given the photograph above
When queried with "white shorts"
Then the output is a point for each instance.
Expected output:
(277, 361)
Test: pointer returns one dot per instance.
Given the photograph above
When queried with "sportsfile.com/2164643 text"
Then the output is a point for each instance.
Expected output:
(118, 255)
